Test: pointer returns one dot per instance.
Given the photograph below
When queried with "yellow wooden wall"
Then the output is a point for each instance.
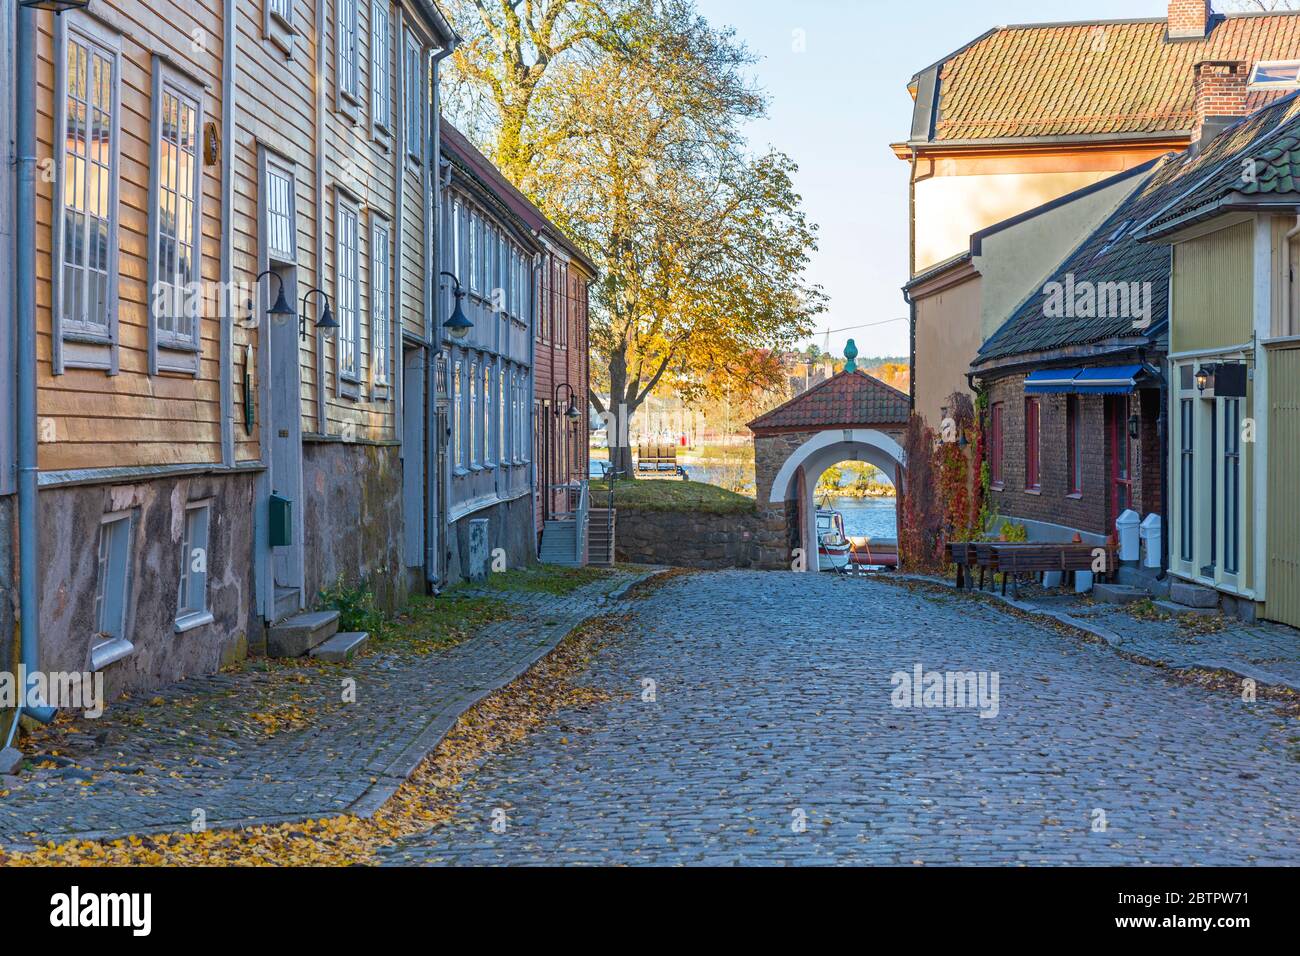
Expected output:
(1213, 290)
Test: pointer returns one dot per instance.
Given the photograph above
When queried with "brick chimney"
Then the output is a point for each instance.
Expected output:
(1189, 19)
(1220, 90)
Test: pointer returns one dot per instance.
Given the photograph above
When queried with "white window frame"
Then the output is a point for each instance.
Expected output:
(169, 349)
(475, 243)
(278, 25)
(458, 414)
(1292, 65)
(475, 461)
(381, 302)
(381, 71)
(503, 415)
(192, 607)
(347, 295)
(274, 168)
(347, 56)
(109, 642)
(77, 344)
(489, 408)
(413, 99)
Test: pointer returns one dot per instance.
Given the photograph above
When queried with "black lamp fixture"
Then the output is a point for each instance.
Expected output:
(1204, 376)
(280, 310)
(55, 6)
(1134, 427)
(571, 413)
(326, 321)
(458, 325)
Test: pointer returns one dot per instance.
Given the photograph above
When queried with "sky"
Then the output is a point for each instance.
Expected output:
(837, 104)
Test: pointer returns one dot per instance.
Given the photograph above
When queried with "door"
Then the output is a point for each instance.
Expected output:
(413, 461)
(1119, 453)
(284, 423)
(1282, 597)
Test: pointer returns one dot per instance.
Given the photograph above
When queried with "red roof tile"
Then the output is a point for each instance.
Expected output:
(844, 400)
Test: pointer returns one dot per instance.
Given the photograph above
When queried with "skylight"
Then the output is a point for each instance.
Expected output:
(1276, 75)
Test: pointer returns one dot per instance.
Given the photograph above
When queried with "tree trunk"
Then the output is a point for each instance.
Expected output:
(619, 417)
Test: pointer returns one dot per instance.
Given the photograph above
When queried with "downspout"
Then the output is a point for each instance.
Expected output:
(25, 357)
(227, 234)
(322, 423)
(434, 437)
(534, 314)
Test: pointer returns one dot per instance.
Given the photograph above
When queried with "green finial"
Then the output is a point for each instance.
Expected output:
(851, 353)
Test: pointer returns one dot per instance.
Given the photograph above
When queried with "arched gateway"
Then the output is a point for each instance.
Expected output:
(850, 416)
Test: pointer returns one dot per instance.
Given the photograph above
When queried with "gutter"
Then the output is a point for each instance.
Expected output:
(435, 437)
(25, 357)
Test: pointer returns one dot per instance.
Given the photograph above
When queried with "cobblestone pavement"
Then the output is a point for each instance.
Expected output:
(772, 704)
(256, 746)
(1267, 652)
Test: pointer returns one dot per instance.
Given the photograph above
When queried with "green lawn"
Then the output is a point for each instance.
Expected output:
(671, 495)
(546, 578)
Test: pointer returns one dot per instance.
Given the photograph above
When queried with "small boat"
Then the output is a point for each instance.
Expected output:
(833, 545)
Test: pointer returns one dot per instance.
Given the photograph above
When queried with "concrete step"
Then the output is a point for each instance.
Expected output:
(286, 602)
(340, 648)
(295, 636)
(1119, 593)
(1193, 595)
(1169, 607)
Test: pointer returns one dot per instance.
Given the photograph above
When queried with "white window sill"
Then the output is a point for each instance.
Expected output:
(190, 621)
(109, 652)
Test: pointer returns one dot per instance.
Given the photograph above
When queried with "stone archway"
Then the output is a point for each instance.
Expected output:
(848, 417)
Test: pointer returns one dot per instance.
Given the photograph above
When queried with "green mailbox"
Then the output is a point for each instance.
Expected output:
(281, 521)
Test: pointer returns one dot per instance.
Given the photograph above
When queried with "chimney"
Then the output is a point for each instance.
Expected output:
(1189, 19)
(1220, 91)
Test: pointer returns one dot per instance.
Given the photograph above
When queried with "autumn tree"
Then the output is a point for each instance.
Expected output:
(632, 141)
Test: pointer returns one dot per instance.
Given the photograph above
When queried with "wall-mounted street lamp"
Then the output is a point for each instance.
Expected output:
(326, 321)
(458, 325)
(1204, 377)
(1134, 427)
(280, 310)
(571, 413)
(56, 6)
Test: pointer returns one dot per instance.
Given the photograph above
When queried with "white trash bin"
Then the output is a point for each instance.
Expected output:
(1151, 537)
(1128, 527)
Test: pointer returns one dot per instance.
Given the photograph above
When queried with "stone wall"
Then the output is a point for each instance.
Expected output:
(772, 450)
(353, 520)
(509, 527)
(760, 540)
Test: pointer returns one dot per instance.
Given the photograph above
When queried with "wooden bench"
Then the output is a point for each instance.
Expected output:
(1016, 559)
(656, 458)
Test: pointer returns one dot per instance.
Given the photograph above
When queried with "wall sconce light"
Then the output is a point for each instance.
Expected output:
(458, 325)
(280, 311)
(1204, 376)
(571, 413)
(326, 321)
(1134, 427)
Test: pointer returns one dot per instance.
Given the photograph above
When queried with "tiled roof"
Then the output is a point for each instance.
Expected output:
(1100, 78)
(1115, 252)
(843, 400)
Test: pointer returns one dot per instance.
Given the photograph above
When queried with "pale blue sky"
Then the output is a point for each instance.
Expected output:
(836, 107)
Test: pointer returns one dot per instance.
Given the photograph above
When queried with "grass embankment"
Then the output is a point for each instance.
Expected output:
(672, 495)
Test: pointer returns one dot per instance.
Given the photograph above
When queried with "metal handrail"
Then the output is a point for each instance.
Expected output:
(581, 514)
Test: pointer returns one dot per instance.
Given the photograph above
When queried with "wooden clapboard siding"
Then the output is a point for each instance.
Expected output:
(133, 418)
(412, 252)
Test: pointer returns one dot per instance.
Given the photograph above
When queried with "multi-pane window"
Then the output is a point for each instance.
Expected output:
(474, 244)
(109, 641)
(456, 263)
(1231, 485)
(380, 300)
(564, 307)
(88, 214)
(457, 415)
(1033, 445)
(176, 169)
(995, 443)
(473, 414)
(281, 235)
(381, 65)
(503, 420)
(1074, 443)
(488, 405)
(1186, 476)
(282, 9)
(349, 53)
(192, 601)
(347, 289)
(414, 104)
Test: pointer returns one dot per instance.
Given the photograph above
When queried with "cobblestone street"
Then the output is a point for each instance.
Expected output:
(772, 706)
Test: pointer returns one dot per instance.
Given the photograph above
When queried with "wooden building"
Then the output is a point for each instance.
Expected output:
(211, 454)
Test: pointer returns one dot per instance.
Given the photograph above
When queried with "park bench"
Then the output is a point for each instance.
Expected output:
(656, 458)
(1017, 558)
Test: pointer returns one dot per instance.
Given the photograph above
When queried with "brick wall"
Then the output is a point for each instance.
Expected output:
(1188, 18)
(1088, 511)
(1220, 90)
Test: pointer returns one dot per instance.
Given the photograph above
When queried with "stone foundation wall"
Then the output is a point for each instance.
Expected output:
(69, 528)
(761, 540)
(509, 527)
(353, 520)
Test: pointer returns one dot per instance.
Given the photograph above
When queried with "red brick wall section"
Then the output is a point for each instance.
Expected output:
(1220, 90)
(1188, 18)
(1053, 504)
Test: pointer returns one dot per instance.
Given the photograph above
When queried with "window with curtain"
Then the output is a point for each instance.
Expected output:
(474, 450)
(1033, 445)
(176, 220)
(457, 416)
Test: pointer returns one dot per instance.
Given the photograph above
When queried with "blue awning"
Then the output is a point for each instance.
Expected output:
(1051, 381)
(1107, 380)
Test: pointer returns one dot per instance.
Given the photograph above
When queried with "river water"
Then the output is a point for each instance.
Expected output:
(870, 517)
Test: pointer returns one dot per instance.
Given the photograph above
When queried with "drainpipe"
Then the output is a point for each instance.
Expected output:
(434, 437)
(25, 355)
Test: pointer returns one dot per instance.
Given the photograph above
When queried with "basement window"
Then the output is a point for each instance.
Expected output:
(1276, 75)
(110, 643)
(192, 601)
